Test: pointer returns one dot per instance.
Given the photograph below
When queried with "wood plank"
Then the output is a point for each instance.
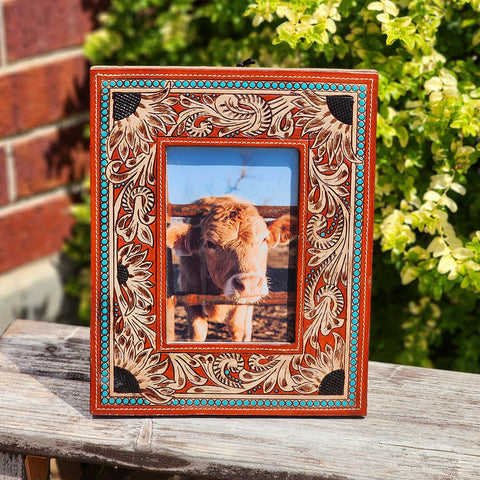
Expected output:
(11, 466)
(52, 350)
(192, 210)
(37, 468)
(421, 423)
(273, 298)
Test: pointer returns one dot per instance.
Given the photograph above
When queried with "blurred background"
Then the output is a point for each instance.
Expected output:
(426, 276)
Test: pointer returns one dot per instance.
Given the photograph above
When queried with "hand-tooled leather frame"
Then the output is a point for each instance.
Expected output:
(330, 117)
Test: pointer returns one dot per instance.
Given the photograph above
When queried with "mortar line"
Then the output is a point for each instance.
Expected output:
(11, 173)
(42, 58)
(44, 129)
(3, 38)
(38, 199)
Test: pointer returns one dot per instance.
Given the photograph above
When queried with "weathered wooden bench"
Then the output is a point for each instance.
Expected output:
(422, 424)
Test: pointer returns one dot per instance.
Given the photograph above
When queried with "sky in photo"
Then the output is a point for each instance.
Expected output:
(262, 175)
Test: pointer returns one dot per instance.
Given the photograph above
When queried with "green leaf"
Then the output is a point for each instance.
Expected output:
(377, 6)
(460, 189)
(402, 134)
(432, 196)
(446, 264)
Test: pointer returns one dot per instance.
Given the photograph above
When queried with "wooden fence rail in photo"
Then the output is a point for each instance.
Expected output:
(192, 210)
(273, 298)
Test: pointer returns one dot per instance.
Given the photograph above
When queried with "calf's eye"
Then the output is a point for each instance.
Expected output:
(209, 244)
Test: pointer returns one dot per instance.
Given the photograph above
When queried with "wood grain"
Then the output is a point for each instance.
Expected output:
(421, 424)
(274, 298)
(192, 210)
(12, 466)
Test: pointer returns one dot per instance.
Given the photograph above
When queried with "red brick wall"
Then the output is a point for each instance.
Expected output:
(43, 110)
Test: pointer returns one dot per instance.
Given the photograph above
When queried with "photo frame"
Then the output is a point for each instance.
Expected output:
(232, 226)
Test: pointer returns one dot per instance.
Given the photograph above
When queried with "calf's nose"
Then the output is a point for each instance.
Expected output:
(249, 285)
(238, 284)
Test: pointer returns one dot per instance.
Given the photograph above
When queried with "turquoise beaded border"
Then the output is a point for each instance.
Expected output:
(359, 203)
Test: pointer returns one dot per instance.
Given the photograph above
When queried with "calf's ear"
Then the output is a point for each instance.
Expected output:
(282, 231)
(183, 238)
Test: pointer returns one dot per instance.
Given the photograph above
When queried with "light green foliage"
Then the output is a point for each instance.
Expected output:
(78, 250)
(428, 132)
(182, 32)
(427, 214)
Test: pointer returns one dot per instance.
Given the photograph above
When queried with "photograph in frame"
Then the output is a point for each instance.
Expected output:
(232, 224)
(245, 262)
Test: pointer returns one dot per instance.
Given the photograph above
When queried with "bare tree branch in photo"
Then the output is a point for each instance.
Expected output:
(234, 186)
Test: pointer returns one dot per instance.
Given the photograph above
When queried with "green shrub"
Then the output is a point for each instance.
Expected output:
(427, 250)
(77, 248)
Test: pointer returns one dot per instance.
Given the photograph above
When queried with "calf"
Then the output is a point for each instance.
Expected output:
(225, 252)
